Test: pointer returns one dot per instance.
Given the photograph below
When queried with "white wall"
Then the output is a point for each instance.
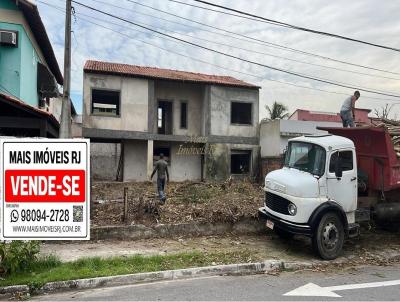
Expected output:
(134, 102)
(305, 127)
(274, 135)
(220, 99)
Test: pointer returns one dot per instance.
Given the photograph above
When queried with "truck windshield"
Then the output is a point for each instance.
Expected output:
(306, 157)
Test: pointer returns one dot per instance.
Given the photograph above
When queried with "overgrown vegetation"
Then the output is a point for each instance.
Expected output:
(17, 256)
(227, 201)
(51, 269)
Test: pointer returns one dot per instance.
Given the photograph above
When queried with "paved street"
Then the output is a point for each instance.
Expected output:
(258, 287)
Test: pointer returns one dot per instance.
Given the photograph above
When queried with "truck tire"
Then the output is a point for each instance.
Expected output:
(328, 237)
(283, 234)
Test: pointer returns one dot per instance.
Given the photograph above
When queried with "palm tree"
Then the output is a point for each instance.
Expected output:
(277, 111)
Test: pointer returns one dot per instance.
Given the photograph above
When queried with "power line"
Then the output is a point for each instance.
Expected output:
(242, 48)
(236, 57)
(284, 24)
(199, 60)
(261, 42)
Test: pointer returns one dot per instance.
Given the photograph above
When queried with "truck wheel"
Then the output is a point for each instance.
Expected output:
(328, 237)
(283, 234)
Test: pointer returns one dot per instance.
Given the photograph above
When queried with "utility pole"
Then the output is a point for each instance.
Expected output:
(65, 124)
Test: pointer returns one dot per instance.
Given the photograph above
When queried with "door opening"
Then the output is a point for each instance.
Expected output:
(164, 117)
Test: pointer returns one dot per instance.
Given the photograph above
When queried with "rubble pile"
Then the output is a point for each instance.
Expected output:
(226, 201)
(393, 127)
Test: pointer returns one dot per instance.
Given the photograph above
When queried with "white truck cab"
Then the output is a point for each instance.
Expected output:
(315, 193)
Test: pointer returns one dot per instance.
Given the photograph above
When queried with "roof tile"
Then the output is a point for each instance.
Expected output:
(160, 73)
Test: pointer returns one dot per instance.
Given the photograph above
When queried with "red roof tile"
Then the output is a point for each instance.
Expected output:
(18, 102)
(160, 73)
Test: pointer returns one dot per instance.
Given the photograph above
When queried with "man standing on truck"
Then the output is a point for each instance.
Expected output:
(347, 110)
(161, 167)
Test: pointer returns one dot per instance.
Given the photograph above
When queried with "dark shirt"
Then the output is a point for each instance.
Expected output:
(161, 166)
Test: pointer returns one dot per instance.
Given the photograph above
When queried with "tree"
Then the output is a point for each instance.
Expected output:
(384, 111)
(277, 111)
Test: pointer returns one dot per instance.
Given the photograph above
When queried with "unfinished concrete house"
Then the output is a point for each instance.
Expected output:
(205, 125)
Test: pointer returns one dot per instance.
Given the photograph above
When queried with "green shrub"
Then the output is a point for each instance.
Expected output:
(17, 256)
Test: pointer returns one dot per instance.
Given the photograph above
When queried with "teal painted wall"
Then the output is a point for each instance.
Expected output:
(18, 66)
(29, 65)
(8, 4)
(10, 63)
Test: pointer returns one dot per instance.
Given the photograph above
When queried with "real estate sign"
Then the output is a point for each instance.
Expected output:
(45, 189)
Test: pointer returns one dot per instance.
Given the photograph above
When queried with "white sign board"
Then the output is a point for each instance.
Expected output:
(45, 191)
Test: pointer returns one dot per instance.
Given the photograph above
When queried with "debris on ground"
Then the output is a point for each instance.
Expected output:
(213, 202)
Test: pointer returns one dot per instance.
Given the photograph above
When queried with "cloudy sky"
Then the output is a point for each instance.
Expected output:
(368, 20)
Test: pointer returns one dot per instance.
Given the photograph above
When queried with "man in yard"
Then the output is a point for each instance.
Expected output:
(161, 167)
(347, 110)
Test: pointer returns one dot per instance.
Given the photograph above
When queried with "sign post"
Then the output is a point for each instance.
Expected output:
(45, 189)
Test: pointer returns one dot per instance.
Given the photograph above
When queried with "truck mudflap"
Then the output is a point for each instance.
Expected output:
(290, 227)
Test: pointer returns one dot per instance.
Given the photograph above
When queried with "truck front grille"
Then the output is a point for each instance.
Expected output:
(276, 203)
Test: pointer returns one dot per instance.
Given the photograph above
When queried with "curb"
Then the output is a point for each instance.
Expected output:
(229, 269)
(217, 270)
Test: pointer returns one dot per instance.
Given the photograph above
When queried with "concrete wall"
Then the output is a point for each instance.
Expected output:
(133, 99)
(218, 165)
(270, 139)
(135, 160)
(55, 107)
(184, 167)
(104, 159)
(193, 94)
(76, 129)
(220, 115)
(274, 135)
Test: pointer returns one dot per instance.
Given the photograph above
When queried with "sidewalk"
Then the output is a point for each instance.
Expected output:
(262, 247)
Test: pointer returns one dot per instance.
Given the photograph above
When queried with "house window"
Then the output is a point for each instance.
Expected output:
(105, 102)
(240, 161)
(241, 113)
(183, 115)
(166, 151)
(159, 117)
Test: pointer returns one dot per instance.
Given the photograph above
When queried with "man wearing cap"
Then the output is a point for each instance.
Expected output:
(161, 167)
(347, 110)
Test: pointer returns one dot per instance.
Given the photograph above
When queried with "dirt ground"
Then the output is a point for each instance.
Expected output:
(227, 201)
(261, 247)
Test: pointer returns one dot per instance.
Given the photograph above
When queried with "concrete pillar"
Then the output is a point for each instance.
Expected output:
(150, 145)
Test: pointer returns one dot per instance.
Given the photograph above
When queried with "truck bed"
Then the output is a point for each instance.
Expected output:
(375, 155)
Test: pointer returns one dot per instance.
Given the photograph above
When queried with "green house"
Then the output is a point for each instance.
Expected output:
(28, 67)
(29, 73)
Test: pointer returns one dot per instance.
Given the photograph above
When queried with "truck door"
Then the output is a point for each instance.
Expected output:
(343, 190)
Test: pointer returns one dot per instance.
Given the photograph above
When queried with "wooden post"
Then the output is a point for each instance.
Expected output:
(125, 204)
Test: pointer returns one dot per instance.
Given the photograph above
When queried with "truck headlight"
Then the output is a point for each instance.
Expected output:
(292, 209)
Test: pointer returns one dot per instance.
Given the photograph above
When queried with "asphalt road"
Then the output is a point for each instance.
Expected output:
(256, 287)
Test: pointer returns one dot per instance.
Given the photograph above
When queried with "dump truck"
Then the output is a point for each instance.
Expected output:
(330, 183)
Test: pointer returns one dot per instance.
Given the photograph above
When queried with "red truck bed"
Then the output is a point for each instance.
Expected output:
(375, 155)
